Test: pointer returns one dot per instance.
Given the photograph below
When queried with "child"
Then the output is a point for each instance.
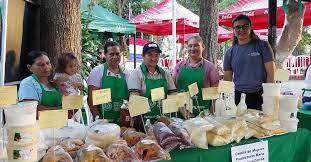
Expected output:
(67, 77)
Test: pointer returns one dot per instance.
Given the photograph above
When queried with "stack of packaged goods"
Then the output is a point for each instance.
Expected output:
(271, 96)
(288, 112)
(22, 132)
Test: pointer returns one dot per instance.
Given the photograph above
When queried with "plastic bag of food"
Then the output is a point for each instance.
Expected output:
(235, 124)
(149, 150)
(167, 121)
(57, 154)
(102, 134)
(90, 152)
(71, 145)
(119, 151)
(219, 128)
(198, 137)
(182, 134)
(196, 123)
(250, 133)
(240, 134)
(269, 122)
(165, 137)
(215, 140)
(131, 136)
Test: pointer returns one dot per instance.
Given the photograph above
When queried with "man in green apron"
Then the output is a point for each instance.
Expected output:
(109, 75)
(196, 69)
(149, 76)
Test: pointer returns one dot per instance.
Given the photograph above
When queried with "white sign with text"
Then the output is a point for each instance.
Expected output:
(254, 152)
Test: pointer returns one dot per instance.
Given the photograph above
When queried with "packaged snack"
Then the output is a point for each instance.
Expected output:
(165, 137)
(57, 154)
(120, 152)
(182, 134)
(90, 153)
(131, 136)
(215, 140)
(71, 145)
(148, 150)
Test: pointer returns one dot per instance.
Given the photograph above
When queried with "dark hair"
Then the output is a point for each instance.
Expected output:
(252, 34)
(33, 55)
(63, 60)
(196, 37)
(110, 44)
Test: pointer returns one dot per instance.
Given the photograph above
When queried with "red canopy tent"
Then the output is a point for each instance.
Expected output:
(157, 20)
(257, 10)
(223, 35)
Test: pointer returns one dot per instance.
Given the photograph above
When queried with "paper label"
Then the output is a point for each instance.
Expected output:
(193, 89)
(138, 105)
(101, 96)
(169, 106)
(157, 94)
(225, 86)
(210, 93)
(177, 99)
(72, 102)
(8, 95)
(53, 118)
(254, 152)
(282, 75)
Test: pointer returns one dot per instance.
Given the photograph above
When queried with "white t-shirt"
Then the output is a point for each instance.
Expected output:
(67, 88)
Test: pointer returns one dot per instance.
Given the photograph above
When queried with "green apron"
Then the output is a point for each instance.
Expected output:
(151, 84)
(119, 92)
(49, 98)
(187, 76)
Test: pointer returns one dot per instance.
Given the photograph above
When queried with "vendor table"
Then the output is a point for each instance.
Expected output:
(304, 117)
(291, 147)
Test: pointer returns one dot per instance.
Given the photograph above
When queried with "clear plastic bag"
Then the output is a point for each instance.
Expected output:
(149, 150)
(182, 134)
(90, 152)
(131, 136)
(219, 128)
(71, 145)
(57, 154)
(120, 152)
(165, 137)
(215, 140)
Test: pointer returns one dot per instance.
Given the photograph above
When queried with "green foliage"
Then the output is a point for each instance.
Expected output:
(89, 50)
(305, 41)
(225, 3)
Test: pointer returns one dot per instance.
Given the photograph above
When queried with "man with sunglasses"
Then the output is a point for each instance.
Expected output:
(249, 63)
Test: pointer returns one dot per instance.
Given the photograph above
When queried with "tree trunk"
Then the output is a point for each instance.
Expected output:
(209, 28)
(60, 28)
(121, 4)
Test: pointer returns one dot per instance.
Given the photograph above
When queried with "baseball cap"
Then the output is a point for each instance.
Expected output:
(151, 46)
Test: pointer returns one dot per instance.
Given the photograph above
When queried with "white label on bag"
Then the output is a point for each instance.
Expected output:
(254, 152)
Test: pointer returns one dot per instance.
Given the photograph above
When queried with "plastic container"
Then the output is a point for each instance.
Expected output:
(270, 105)
(268, 100)
(270, 110)
(23, 135)
(271, 89)
(288, 103)
(21, 114)
(287, 115)
(22, 154)
(290, 125)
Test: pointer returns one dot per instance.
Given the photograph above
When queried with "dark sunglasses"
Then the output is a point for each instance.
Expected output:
(241, 27)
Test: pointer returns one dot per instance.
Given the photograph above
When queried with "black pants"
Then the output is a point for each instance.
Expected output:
(253, 100)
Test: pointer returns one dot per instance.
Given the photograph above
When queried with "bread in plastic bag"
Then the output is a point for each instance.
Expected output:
(71, 145)
(235, 124)
(165, 137)
(250, 133)
(219, 128)
(131, 136)
(120, 152)
(57, 154)
(182, 134)
(102, 134)
(90, 152)
(269, 122)
(149, 150)
(240, 134)
(215, 140)
(167, 121)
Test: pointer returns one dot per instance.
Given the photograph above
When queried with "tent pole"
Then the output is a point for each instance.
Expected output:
(174, 34)
(3, 41)
(272, 24)
(134, 51)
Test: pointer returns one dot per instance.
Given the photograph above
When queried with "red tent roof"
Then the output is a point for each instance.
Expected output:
(223, 35)
(257, 10)
(157, 20)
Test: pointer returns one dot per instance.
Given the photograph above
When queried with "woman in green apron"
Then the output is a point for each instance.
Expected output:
(37, 87)
(149, 76)
(196, 69)
(109, 75)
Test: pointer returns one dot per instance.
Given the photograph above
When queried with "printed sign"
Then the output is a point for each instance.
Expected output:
(169, 106)
(101, 96)
(138, 105)
(53, 118)
(225, 86)
(157, 94)
(72, 102)
(250, 152)
(193, 89)
(210, 93)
